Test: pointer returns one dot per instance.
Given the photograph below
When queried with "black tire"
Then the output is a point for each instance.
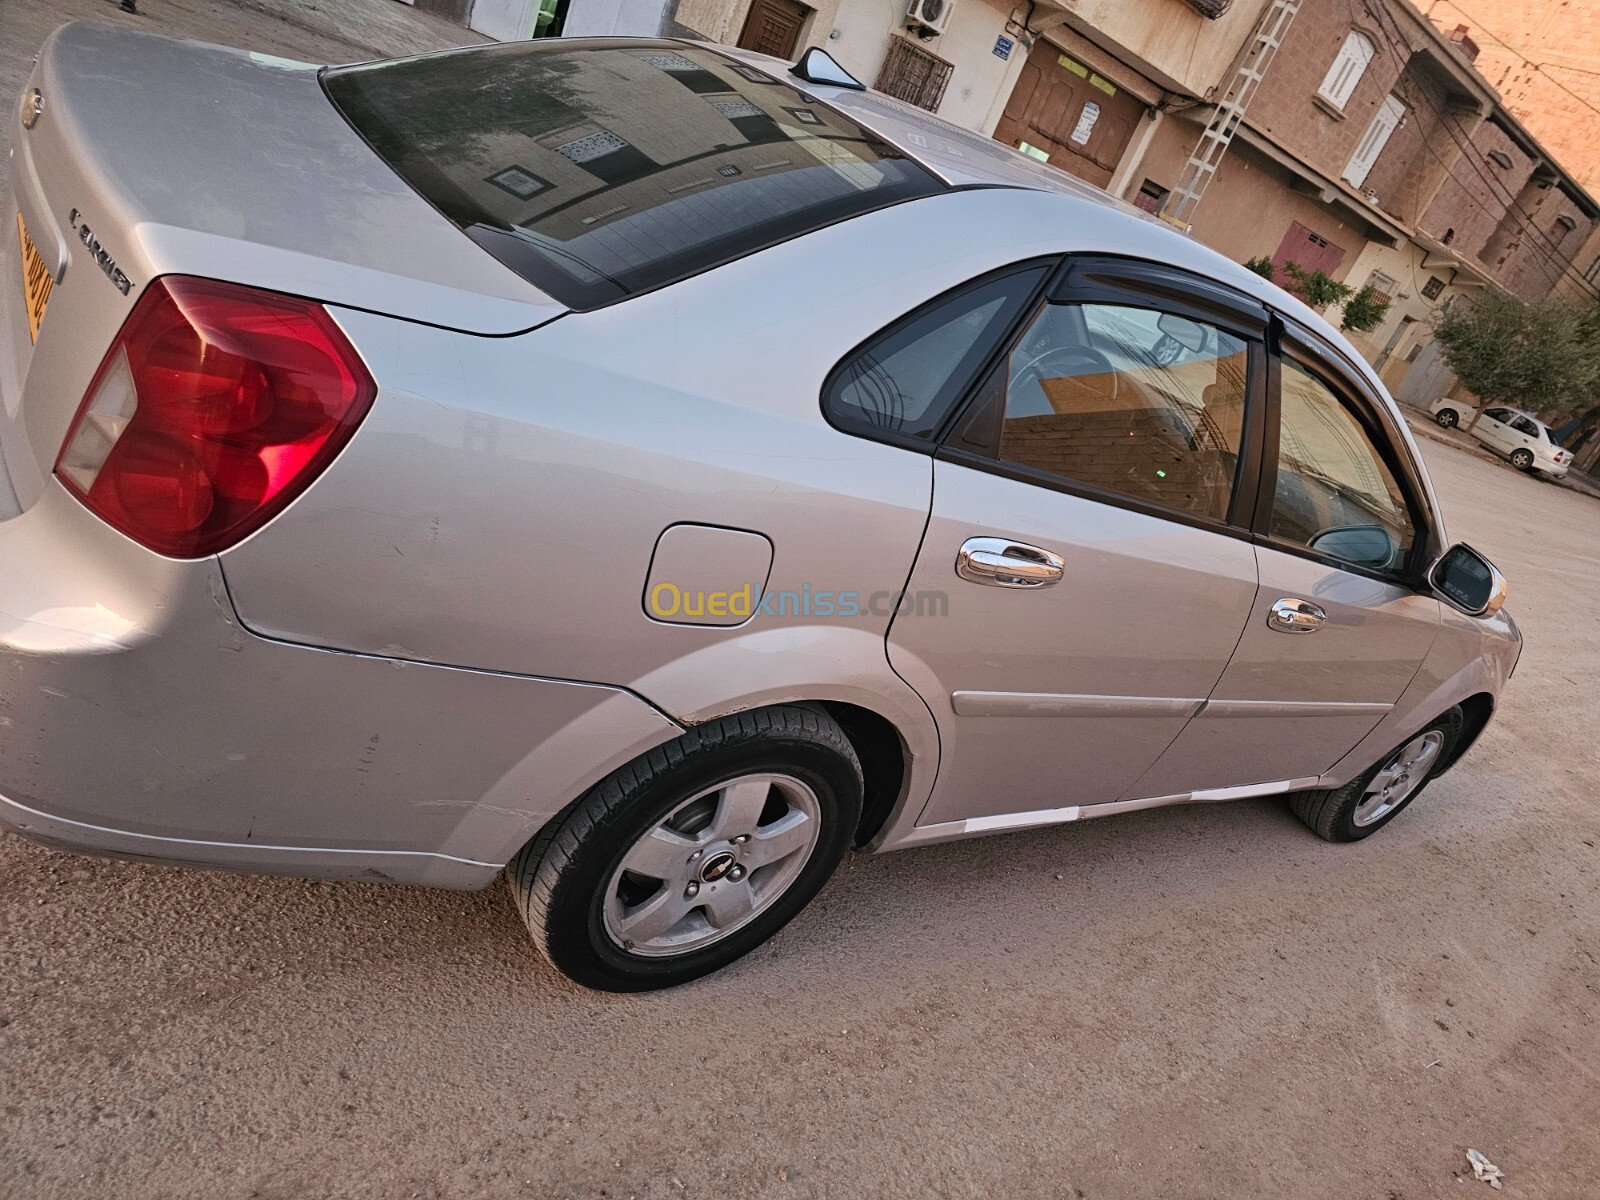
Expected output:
(1331, 814)
(559, 880)
(1522, 460)
(1448, 418)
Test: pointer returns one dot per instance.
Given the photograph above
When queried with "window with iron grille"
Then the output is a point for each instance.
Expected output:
(1383, 286)
(1433, 287)
(911, 74)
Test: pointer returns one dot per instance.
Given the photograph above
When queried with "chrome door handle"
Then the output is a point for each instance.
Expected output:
(1001, 563)
(1296, 616)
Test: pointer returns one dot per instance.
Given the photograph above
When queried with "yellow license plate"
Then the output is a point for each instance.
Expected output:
(36, 281)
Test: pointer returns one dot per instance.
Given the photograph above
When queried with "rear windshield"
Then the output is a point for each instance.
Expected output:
(600, 168)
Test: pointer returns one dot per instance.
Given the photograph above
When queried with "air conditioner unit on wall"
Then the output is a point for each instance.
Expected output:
(928, 18)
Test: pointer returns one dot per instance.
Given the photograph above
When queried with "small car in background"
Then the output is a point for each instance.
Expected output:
(1522, 439)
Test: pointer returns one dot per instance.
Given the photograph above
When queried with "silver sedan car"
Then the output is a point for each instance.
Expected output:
(1520, 438)
(658, 469)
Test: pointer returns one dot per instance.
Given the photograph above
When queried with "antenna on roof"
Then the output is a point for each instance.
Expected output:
(816, 65)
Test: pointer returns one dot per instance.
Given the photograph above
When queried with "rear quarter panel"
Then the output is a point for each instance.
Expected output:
(499, 507)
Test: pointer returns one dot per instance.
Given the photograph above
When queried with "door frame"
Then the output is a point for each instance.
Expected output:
(1138, 283)
(1294, 340)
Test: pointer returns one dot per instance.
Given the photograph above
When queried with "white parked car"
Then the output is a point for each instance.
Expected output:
(1523, 439)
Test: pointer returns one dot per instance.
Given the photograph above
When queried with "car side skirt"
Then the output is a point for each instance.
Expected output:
(946, 831)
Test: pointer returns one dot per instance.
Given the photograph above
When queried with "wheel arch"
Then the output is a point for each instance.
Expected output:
(885, 763)
(1475, 711)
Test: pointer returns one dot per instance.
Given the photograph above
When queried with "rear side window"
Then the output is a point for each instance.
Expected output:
(600, 168)
(906, 380)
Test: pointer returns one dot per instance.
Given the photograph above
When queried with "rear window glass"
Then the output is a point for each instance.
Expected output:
(601, 168)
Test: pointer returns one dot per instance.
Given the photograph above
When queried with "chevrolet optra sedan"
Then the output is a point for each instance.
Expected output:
(659, 469)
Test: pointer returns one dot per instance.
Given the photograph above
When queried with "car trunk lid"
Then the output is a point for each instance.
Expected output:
(153, 156)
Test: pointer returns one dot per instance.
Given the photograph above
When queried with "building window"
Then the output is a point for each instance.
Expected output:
(1151, 196)
(1431, 289)
(911, 74)
(1564, 225)
(1500, 159)
(1383, 286)
(1347, 69)
(1389, 116)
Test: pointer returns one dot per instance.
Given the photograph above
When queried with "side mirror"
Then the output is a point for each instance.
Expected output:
(1364, 545)
(1469, 581)
(816, 65)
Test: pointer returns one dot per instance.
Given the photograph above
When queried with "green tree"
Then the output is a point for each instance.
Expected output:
(1364, 310)
(1543, 358)
(1316, 288)
(1261, 265)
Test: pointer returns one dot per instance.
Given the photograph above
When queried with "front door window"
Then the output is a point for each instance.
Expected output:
(1334, 493)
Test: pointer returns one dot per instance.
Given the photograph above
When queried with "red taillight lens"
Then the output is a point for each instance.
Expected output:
(215, 407)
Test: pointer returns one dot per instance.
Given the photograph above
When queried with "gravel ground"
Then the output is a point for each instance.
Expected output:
(1195, 1002)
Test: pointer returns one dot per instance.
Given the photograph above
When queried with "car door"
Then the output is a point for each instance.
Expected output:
(1090, 586)
(1526, 433)
(1493, 429)
(1338, 629)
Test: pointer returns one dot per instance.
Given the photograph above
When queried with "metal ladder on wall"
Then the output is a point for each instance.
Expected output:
(1202, 165)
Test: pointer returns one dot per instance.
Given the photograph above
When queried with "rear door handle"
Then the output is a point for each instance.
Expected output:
(1002, 563)
(1296, 616)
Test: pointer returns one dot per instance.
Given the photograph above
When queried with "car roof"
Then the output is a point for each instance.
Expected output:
(963, 158)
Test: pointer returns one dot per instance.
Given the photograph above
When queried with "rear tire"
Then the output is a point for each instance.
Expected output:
(1522, 460)
(1448, 418)
(1370, 801)
(694, 854)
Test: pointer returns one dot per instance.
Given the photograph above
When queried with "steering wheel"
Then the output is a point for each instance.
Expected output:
(1058, 362)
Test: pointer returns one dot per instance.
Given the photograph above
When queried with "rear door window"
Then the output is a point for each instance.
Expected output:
(1131, 402)
(597, 169)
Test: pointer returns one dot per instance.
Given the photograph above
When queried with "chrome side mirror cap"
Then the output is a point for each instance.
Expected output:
(816, 65)
(1466, 579)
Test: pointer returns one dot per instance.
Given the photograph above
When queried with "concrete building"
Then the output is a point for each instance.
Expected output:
(1543, 57)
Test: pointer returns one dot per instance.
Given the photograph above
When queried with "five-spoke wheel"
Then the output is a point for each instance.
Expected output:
(1372, 799)
(1398, 778)
(691, 856)
(714, 864)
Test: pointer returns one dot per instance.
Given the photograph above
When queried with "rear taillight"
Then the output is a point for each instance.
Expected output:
(214, 408)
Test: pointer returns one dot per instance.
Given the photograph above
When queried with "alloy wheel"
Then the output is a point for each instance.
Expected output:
(712, 865)
(1406, 771)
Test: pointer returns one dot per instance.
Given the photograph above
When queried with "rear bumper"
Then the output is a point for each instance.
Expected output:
(139, 719)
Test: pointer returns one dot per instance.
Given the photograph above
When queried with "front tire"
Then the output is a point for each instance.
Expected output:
(1448, 418)
(1370, 801)
(1522, 460)
(694, 854)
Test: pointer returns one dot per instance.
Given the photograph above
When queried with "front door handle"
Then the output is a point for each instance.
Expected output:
(1002, 563)
(1296, 616)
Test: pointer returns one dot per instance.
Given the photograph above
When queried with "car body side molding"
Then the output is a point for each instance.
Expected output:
(1065, 704)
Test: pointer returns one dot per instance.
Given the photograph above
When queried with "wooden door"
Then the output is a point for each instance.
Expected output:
(1079, 122)
(773, 27)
